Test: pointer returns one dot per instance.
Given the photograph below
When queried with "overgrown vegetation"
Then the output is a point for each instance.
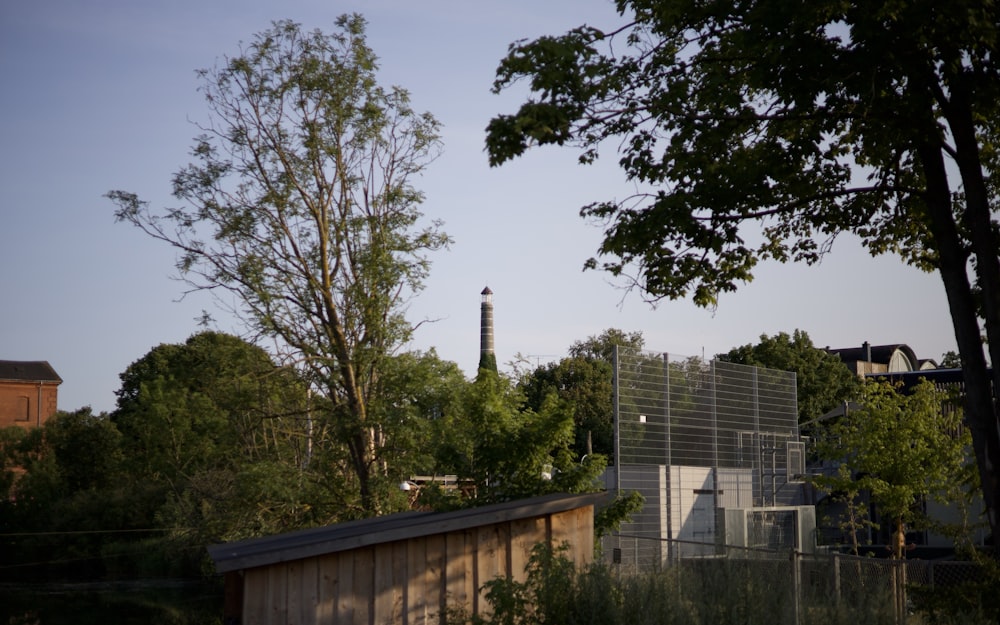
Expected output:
(213, 441)
(697, 592)
(898, 450)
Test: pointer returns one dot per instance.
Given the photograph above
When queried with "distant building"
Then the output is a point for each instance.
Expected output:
(28, 392)
(869, 359)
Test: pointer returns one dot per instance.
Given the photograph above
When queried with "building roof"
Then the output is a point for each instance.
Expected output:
(28, 371)
(882, 354)
(268, 550)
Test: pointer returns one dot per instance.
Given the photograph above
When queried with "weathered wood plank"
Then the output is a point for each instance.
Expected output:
(345, 589)
(415, 611)
(524, 535)
(490, 563)
(276, 612)
(574, 528)
(364, 571)
(255, 595)
(434, 583)
(309, 595)
(232, 608)
(384, 584)
(400, 561)
(293, 584)
(411, 581)
(326, 609)
(459, 570)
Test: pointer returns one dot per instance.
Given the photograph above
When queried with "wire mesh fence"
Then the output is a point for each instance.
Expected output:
(686, 411)
(798, 587)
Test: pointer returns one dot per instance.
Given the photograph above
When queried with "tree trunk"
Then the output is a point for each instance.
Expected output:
(978, 223)
(980, 414)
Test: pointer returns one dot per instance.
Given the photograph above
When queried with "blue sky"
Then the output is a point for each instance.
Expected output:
(101, 95)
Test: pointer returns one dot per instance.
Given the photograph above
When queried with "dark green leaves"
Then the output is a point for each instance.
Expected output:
(736, 121)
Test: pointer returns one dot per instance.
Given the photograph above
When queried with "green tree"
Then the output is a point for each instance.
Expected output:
(585, 380)
(587, 386)
(10, 439)
(200, 423)
(418, 389)
(902, 449)
(86, 448)
(300, 204)
(506, 451)
(822, 381)
(68, 497)
(603, 345)
(73, 454)
(762, 130)
(950, 360)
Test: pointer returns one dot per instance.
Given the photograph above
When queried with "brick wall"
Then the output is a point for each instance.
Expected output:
(20, 402)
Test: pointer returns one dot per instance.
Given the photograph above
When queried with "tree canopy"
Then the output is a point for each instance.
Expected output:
(505, 450)
(300, 204)
(211, 441)
(900, 448)
(763, 130)
(822, 381)
(217, 438)
(585, 380)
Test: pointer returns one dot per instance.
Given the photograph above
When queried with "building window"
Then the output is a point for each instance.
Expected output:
(23, 412)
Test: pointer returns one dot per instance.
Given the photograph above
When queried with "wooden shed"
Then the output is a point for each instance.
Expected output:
(401, 569)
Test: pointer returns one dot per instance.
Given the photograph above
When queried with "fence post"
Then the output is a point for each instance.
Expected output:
(836, 578)
(796, 587)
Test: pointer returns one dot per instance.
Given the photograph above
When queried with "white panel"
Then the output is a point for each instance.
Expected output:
(694, 491)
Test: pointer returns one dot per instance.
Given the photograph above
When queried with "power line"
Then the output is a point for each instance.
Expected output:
(80, 532)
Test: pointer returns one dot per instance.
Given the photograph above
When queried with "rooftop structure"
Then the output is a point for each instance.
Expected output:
(28, 392)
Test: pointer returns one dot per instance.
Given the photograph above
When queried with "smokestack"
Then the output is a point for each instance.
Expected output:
(486, 323)
(487, 360)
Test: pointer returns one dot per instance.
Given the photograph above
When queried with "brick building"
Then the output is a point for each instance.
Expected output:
(29, 392)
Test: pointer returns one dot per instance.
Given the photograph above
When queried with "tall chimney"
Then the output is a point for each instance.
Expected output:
(487, 360)
(486, 323)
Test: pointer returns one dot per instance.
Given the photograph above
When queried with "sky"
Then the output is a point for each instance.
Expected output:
(102, 95)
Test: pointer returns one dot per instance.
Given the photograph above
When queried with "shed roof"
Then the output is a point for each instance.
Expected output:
(28, 371)
(256, 552)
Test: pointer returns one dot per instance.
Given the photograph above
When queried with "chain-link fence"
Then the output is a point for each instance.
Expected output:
(797, 586)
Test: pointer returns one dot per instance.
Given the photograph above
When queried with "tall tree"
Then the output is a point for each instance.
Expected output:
(902, 449)
(763, 129)
(300, 204)
(603, 345)
(585, 380)
(822, 381)
(218, 438)
(507, 451)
